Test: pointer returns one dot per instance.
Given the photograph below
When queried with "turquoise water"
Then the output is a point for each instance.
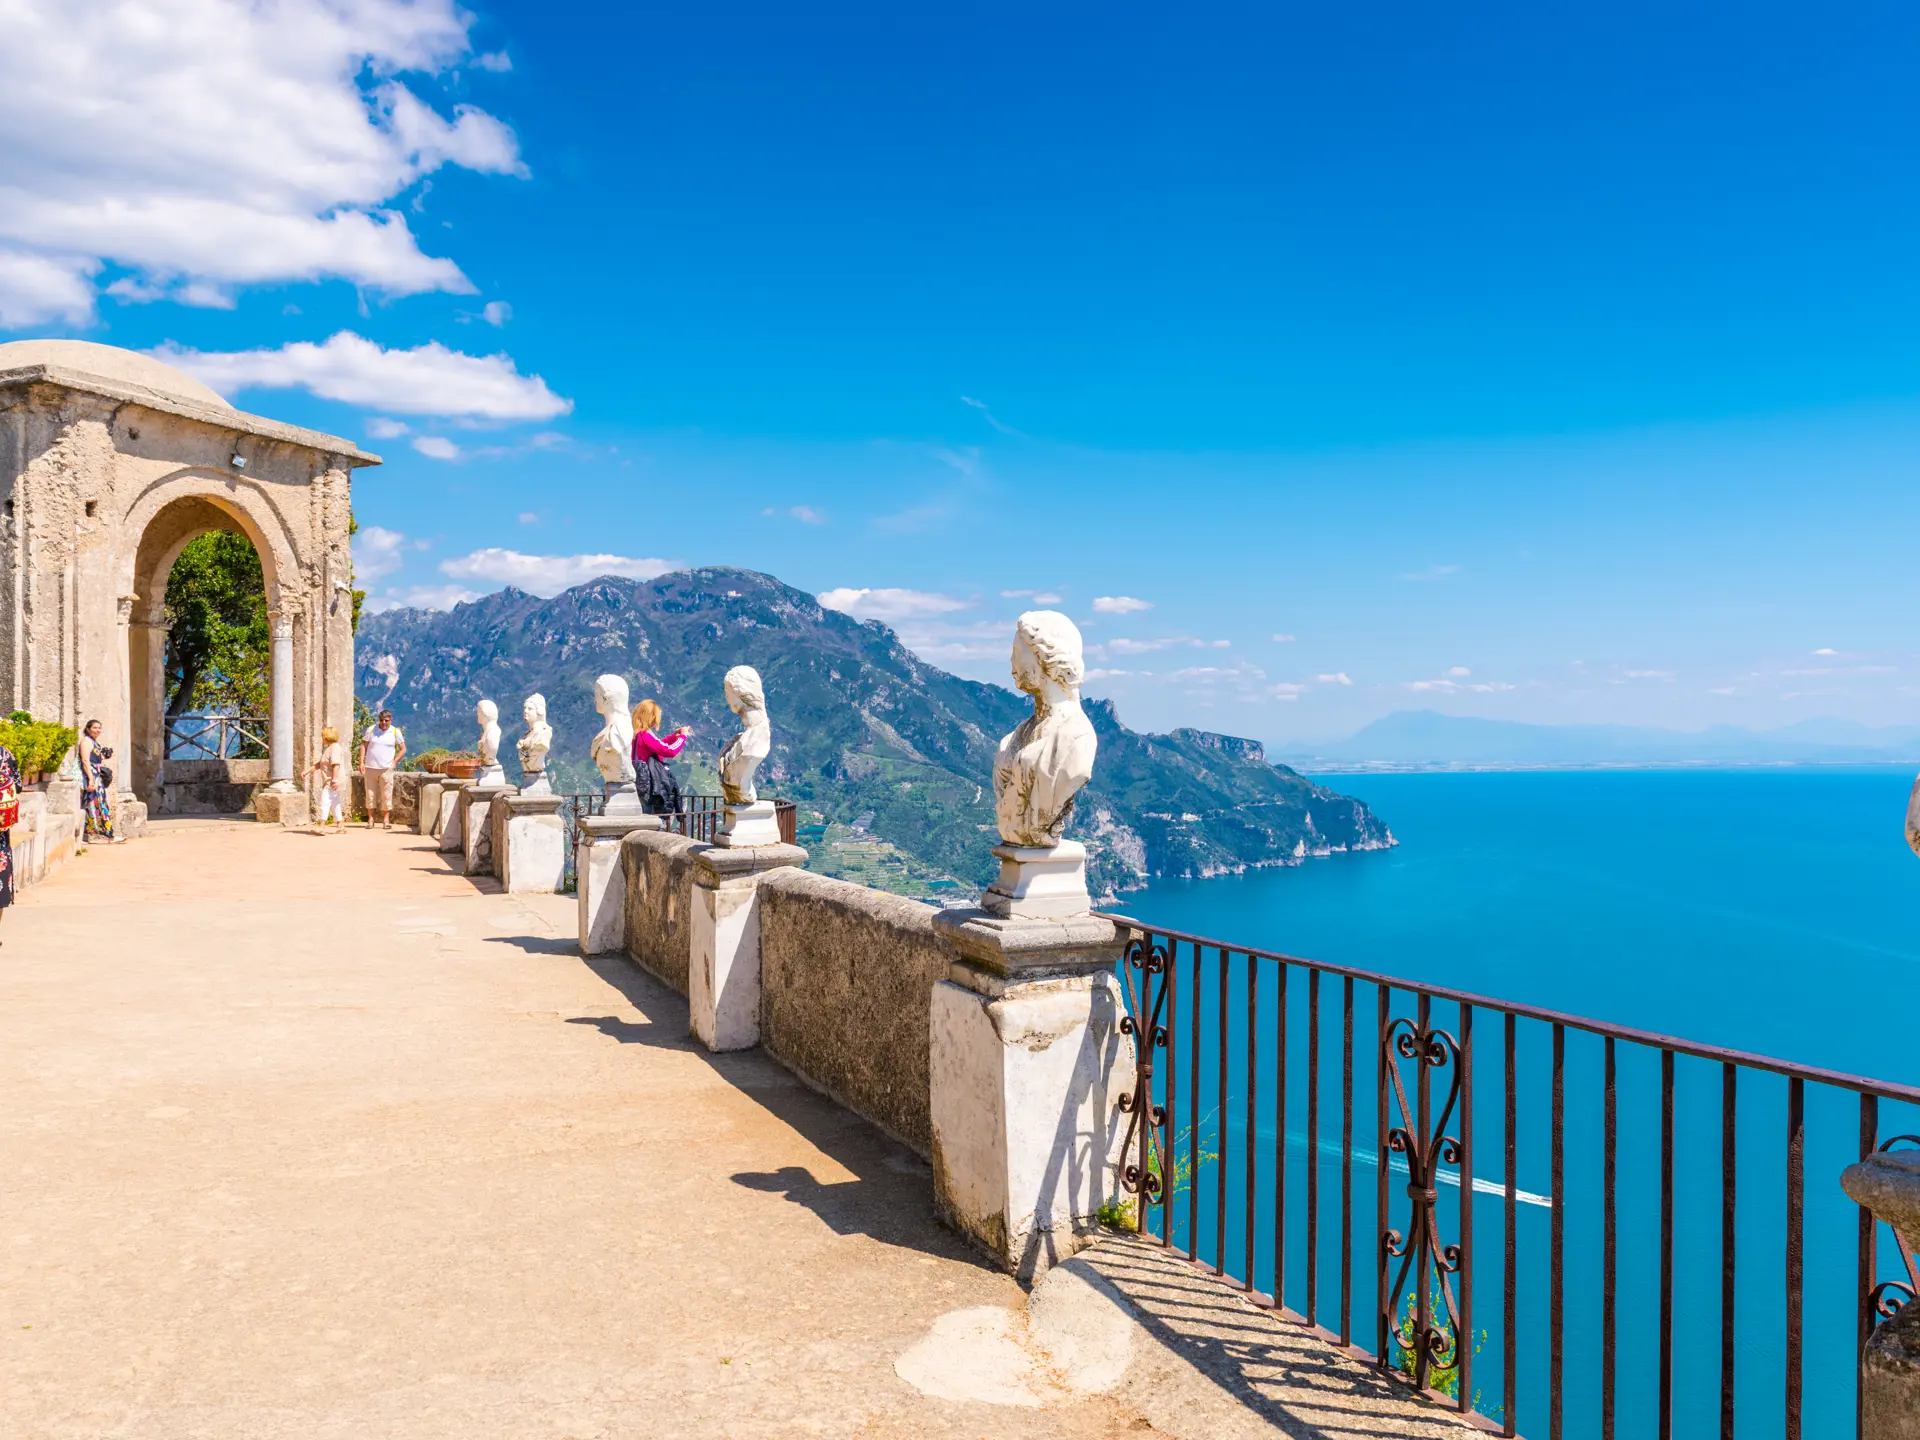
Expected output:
(1770, 911)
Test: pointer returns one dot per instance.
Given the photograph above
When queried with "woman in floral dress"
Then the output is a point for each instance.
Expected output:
(96, 794)
(9, 812)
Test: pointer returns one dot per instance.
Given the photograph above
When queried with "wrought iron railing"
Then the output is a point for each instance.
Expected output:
(698, 817)
(1232, 1122)
(216, 737)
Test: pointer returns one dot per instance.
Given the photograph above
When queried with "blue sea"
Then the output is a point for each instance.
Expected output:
(1771, 911)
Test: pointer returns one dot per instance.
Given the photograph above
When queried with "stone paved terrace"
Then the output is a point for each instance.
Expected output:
(311, 1137)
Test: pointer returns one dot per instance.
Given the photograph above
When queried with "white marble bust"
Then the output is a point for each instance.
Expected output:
(612, 748)
(488, 714)
(1043, 764)
(747, 698)
(533, 746)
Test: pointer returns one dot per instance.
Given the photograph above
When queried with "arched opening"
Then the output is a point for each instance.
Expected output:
(218, 661)
(200, 660)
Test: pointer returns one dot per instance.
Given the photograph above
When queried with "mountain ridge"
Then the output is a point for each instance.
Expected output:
(865, 732)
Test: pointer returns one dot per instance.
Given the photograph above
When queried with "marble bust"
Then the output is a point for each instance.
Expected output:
(534, 745)
(612, 748)
(488, 745)
(1043, 763)
(747, 698)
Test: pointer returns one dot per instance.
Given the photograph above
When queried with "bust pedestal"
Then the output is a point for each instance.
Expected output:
(723, 963)
(449, 823)
(490, 775)
(1039, 882)
(748, 826)
(622, 798)
(529, 842)
(476, 825)
(535, 782)
(1027, 1067)
(599, 880)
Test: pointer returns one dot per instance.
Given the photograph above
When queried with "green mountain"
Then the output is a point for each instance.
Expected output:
(890, 753)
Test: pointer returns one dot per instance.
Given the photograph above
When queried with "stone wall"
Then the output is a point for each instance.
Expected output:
(49, 831)
(659, 880)
(406, 798)
(847, 977)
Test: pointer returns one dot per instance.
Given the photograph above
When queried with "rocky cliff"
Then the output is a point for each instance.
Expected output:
(866, 734)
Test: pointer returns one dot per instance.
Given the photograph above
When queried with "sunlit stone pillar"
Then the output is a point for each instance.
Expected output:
(282, 802)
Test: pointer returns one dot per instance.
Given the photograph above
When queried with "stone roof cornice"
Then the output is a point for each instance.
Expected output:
(237, 422)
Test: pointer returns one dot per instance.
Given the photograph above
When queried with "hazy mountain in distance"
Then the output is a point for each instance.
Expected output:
(1426, 738)
(866, 735)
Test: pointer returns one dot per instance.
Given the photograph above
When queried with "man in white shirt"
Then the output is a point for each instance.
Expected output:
(381, 749)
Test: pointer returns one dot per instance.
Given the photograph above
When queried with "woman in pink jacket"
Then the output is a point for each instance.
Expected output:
(659, 791)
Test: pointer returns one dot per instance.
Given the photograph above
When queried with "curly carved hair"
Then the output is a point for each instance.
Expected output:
(1055, 643)
(745, 682)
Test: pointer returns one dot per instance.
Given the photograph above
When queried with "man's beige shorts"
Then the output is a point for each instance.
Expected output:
(379, 791)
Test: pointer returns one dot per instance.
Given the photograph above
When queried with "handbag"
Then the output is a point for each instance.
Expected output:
(9, 806)
(103, 774)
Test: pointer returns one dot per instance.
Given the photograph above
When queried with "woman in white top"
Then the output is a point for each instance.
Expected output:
(332, 766)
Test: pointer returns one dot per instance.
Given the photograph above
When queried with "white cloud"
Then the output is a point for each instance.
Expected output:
(1039, 597)
(981, 406)
(1826, 650)
(1123, 645)
(376, 553)
(203, 145)
(1648, 674)
(548, 575)
(496, 313)
(1283, 639)
(528, 517)
(426, 380)
(37, 289)
(381, 428)
(1119, 605)
(436, 447)
(1437, 572)
(1286, 691)
(805, 514)
(890, 604)
(1338, 677)
(1450, 684)
(422, 597)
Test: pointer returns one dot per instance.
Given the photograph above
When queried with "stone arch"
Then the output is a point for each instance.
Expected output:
(166, 518)
(107, 474)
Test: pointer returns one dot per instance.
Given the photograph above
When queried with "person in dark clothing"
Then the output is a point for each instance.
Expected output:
(659, 791)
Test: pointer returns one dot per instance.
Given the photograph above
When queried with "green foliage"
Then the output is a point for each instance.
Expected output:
(425, 759)
(37, 745)
(1446, 1381)
(218, 641)
(1116, 1215)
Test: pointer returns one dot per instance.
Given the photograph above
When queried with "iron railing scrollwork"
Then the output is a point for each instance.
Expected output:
(1887, 1298)
(1144, 1150)
(1429, 1344)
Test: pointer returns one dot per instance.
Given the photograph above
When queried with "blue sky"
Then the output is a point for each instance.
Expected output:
(1511, 362)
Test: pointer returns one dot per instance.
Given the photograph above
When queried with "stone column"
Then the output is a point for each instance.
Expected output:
(448, 825)
(281, 802)
(1888, 1185)
(476, 824)
(280, 746)
(723, 969)
(1026, 1072)
(530, 842)
(600, 881)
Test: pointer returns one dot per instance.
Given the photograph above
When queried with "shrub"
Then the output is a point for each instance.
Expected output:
(36, 745)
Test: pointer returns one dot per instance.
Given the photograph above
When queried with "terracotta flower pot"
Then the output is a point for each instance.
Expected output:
(460, 769)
